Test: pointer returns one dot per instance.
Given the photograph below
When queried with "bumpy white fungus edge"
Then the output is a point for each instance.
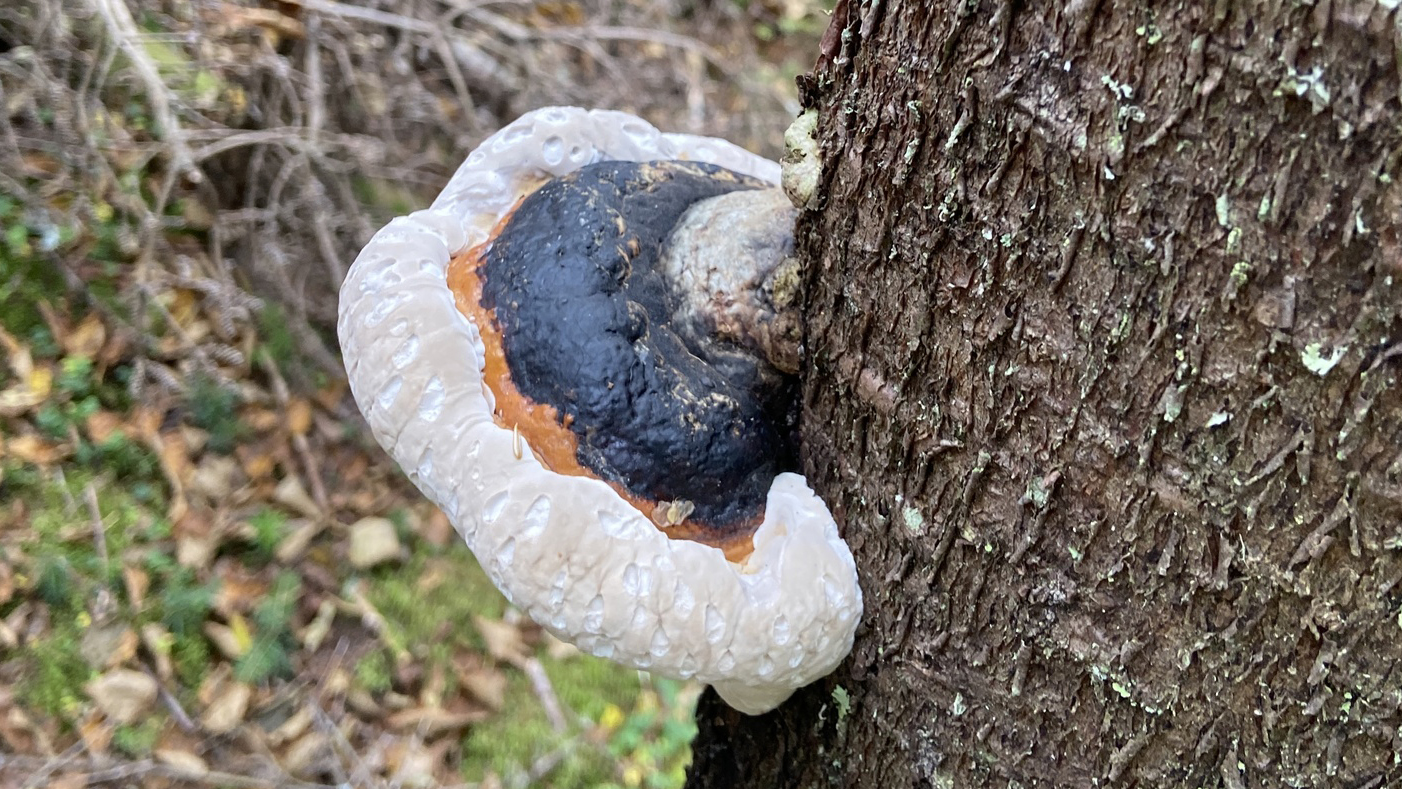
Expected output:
(568, 550)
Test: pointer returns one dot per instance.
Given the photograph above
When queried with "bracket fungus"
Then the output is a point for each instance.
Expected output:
(583, 352)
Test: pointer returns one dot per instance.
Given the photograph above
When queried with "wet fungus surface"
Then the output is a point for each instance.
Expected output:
(605, 369)
(583, 351)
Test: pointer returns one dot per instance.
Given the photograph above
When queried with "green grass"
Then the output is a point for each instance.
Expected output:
(624, 729)
(649, 725)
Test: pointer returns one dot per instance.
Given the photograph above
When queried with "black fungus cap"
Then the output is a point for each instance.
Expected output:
(576, 287)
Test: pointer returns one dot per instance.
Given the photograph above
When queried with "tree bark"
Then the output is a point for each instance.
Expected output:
(1103, 351)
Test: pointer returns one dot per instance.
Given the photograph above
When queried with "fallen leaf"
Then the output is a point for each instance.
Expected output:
(123, 695)
(137, 581)
(433, 721)
(291, 494)
(257, 463)
(87, 338)
(299, 416)
(182, 760)
(320, 626)
(96, 732)
(437, 530)
(196, 538)
(102, 425)
(33, 388)
(106, 646)
(295, 726)
(484, 683)
(31, 449)
(303, 531)
(216, 477)
(239, 590)
(411, 764)
(504, 641)
(373, 541)
(7, 581)
(226, 640)
(226, 712)
(158, 642)
(299, 757)
(560, 650)
(363, 704)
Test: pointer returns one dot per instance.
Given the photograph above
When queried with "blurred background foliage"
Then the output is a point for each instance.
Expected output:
(208, 575)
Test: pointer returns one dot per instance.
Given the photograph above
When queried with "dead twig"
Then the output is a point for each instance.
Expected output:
(122, 30)
(299, 440)
(97, 773)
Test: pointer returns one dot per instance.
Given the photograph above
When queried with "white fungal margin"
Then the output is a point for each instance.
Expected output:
(569, 550)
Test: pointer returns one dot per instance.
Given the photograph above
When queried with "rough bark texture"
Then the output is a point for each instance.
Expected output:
(1103, 360)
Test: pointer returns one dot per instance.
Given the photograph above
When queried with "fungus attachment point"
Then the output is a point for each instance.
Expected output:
(584, 353)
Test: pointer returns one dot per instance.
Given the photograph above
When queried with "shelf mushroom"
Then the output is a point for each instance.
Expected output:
(583, 353)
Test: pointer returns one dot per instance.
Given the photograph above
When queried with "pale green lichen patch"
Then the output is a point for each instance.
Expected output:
(842, 701)
(1218, 419)
(914, 520)
(1320, 363)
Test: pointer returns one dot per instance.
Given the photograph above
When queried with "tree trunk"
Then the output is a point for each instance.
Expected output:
(1103, 347)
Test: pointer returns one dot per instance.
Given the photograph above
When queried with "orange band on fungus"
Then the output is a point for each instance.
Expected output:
(545, 430)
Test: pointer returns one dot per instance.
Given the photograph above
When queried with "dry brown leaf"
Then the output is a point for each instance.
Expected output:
(226, 640)
(16, 622)
(437, 530)
(182, 760)
(213, 683)
(373, 541)
(137, 582)
(411, 764)
(101, 425)
(559, 650)
(292, 728)
(95, 730)
(16, 354)
(175, 457)
(17, 732)
(299, 416)
(107, 646)
(239, 589)
(320, 626)
(504, 641)
(7, 581)
(329, 396)
(291, 494)
(303, 531)
(184, 306)
(158, 641)
(68, 781)
(215, 477)
(486, 684)
(32, 389)
(431, 695)
(87, 338)
(257, 462)
(363, 704)
(196, 538)
(433, 721)
(336, 682)
(300, 756)
(123, 695)
(261, 420)
(146, 421)
(30, 449)
(226, 711)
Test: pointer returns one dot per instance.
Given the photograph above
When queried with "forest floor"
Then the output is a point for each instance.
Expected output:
(209, 575)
